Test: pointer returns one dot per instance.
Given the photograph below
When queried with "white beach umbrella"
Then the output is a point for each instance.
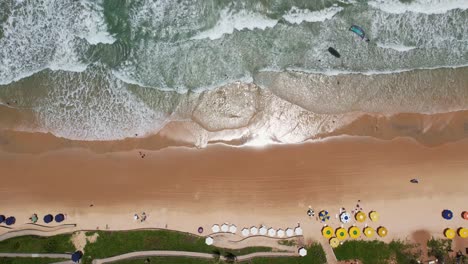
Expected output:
(271, 232)
(215, 228)
(298, 231)
(209, 241)
(345, 217)
(224, 228)
(289, 232)
(245, 232)
(302, 252)
(233, 229)
(280, 233)
(263, 230)
(254, 230)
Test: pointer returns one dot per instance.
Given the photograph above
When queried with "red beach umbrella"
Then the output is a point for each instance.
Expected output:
(465, 215)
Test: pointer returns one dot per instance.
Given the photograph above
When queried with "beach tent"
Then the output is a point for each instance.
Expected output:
(360, 216)
(298, 231)
(48, 218)
(280, 233)
(289, 232)
(245, 232)
(447, 214)
(271, 232)
(382, 231)
(374, 216)
(334, 242)
(463, 232)
(324, 215)
(345, 217)
(354, 232)
(449, 233)
(224, 228)
(10, 220)
(302, 252)
(215, 228)
(233, 229)
(254, 230)
(369, 231)
(209, 241)
(2, 218)
(464, 215)
(263, 230)
(59, 218)
(75, 257)
(327, 232)
(341, 233)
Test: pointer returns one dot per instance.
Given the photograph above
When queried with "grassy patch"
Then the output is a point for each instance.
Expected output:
(29, 260)
(36, 244)
(315, 255)
(286, 242)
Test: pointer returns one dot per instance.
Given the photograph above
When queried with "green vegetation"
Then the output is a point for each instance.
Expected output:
(29, 260)
(285, 242)
(36, 244)
(440, 249)
(376, 252)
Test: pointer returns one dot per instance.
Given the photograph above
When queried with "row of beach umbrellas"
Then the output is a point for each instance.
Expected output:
(263, 231)
(11, 220)
(224, 228)
(353, 232)
(450, 233)
(34, 218)
(345, 217)
(448, 214)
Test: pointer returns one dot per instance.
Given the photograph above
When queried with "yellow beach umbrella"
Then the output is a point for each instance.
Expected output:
(463, 232)
(341, 233)
(369, 231)
(374, 216)
(354, 232)
(360, 216)
(327, 232)
(382, 231)
(334, 242)
(449, 233)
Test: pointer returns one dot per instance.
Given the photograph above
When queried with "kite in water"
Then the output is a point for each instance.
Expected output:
(360, 32)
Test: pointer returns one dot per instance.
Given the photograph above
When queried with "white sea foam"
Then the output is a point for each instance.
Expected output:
(393, 46)
(230, 21)
(419, 6)
(297, 16)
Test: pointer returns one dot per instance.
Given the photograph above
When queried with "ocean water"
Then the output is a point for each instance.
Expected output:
(110, 69)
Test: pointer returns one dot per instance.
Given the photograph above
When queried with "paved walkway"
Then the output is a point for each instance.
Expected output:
(37, 230)
(164, 253)
(34, 255)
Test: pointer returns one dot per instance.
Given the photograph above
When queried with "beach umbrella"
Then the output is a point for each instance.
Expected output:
(302, 252)
(280, 233)
(289, 232)
(271, 232)
(324, 215)
(354, 232)
(209, 241)
(34, 218)
(224, 228)
(10, 220)
(298, 231)
(463, 232)
(2, 218)
(233, 229)
(464, 215)
(59, 218)
(200, 230)
(254, 230)
(382, 231)
(245, 232)
(263, 230)
(369, 231)
(48, 218)
(374, 216)
(345, 217)
(360, 216)
(334, 242)
(215, 228)
(327, 232)
(75, 257)
(341, 233)
(447, 214)
(449, 233)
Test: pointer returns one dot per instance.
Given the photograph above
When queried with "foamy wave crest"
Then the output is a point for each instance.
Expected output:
(419, 6)
(297, 16)
(393, 46)
(230, 21)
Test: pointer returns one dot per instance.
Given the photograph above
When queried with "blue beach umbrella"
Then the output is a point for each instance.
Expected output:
(324, 215)
(10, 220)
(75, 257)
(59, 218)
(48, 218)
(2, 218)
(447, 214)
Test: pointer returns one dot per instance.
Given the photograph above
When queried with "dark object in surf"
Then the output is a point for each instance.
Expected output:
(414, 181)
(334, 52)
